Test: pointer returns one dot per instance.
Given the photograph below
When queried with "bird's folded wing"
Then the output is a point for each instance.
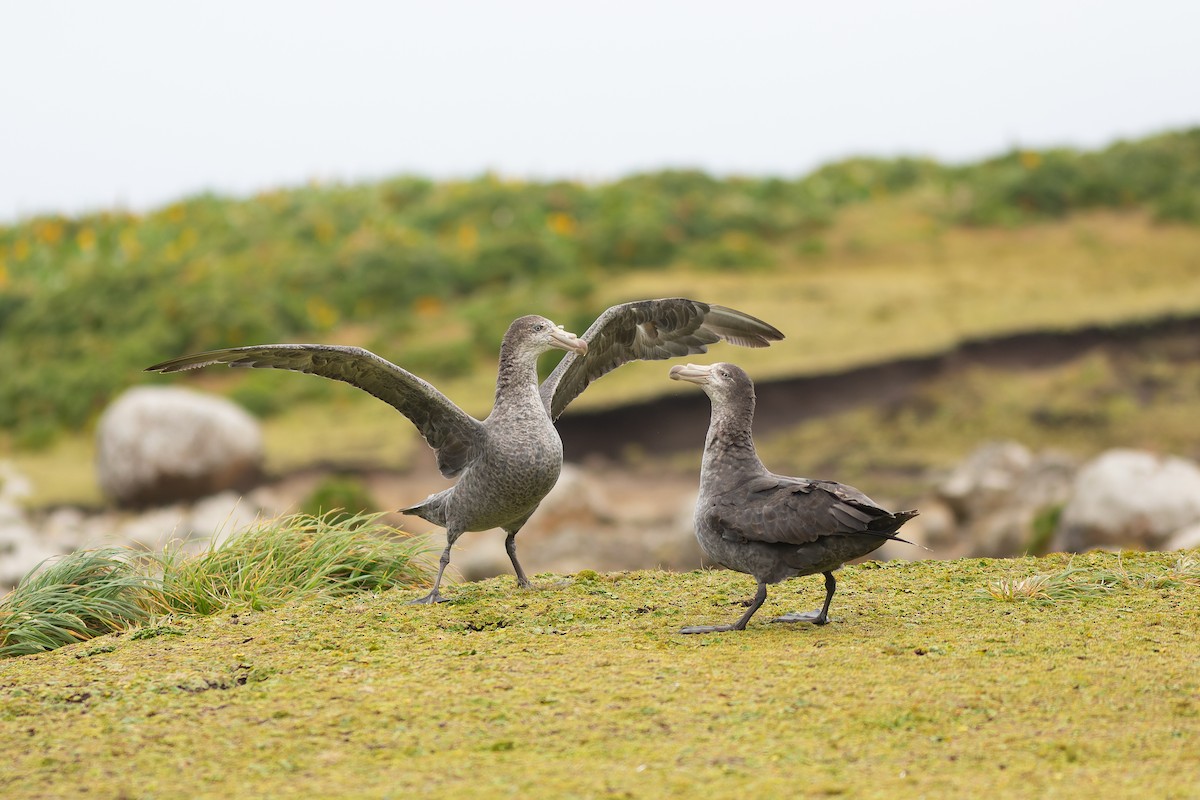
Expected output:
(452, 432)
(796, 511)
(649, 330)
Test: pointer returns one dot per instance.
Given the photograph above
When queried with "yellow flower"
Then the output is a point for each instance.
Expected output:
(467, 237)
(324, 231)
(48, 231)
(130, 245)
(320, 313)
(562, 224)
(188, 239)
(1030, 159)
(428, 306)
(86, 239)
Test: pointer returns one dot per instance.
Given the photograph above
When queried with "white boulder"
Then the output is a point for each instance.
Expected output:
(1130, 499)
(21, 549)
(158, 445)
(995, 496)
(1185, 539)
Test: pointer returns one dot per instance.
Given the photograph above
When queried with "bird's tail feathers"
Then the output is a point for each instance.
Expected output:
(431, 509)
(887, 525)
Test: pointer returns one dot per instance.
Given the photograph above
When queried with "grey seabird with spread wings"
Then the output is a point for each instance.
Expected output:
(766, 525)
(507, 463)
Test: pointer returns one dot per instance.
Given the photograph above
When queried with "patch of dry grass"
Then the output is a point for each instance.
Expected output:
(1075, 582)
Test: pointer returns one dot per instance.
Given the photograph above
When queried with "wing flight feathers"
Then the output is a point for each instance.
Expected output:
(649, 330)
(452, 432)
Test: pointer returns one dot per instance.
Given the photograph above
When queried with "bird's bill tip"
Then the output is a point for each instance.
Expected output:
(565, 340)
(692, 373)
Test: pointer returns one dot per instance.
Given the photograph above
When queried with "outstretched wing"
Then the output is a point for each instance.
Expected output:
(452, 432)
(778, 509)
(649, 330)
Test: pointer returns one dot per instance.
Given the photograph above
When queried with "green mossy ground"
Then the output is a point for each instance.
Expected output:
(923, 685)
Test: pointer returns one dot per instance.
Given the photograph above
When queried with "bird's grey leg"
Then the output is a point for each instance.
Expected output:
(760, 596)
(815, 617)
(434, 595)
(510, 544)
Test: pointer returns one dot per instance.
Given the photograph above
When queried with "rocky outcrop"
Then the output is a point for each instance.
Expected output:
(1002, 500)
(995, 499)
(27, 539)
(1185, 539)
(21, 549)
(156, 446)
(1131, 499)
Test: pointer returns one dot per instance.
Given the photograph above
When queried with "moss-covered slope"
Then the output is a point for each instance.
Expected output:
(923, 685)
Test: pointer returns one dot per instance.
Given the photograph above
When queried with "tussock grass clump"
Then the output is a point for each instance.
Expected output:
(93, 592)
(74, 598)
(281, 560)
(1185, 571)
(1073, 583)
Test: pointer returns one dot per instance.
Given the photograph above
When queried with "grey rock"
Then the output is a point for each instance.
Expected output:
(1130, 499)
(1184, 539)
(21, 549)
(156, 446)
(986, 479)
(996, 494)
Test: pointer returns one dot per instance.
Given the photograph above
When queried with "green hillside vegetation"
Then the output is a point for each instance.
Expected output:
(1029, 677)
(858, 260)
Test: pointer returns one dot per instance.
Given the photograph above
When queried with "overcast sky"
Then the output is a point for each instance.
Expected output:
(133, 104)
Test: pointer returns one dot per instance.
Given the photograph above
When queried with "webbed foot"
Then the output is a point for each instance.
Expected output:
(815, 617)
(709, 628)
(433, 597)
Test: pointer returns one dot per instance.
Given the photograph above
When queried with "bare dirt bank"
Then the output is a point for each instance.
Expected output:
(677, 423)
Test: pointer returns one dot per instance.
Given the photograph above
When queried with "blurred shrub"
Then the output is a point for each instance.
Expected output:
(1042, 529)
(450, 359)
(1161, 172)
(259, 395)
(338, 498)
(733, 251)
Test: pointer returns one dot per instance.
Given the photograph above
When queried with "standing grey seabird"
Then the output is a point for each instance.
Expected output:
(766, 525)
(507, 463)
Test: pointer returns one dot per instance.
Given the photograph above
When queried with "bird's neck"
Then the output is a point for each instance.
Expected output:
(730, 440)
(517, 381)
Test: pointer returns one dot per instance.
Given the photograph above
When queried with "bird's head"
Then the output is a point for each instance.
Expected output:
(538, 334)
(719, 381)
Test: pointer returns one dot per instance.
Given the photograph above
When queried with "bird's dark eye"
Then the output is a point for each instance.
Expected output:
(539, 327)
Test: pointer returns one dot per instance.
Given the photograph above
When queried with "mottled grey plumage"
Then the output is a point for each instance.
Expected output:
(506, 463)
(766, 525)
